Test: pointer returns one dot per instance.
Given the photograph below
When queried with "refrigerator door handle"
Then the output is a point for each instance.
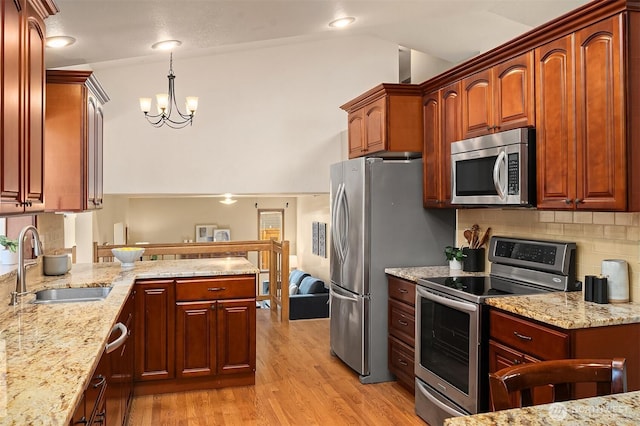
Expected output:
(335, 228)
(339, 296)
(345, 235)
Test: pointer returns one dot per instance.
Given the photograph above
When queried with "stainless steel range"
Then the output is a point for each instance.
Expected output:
(452, 322)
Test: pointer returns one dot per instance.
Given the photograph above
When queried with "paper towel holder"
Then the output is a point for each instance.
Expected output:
(617, 273)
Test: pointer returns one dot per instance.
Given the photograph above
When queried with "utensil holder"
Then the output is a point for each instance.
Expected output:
(474, 260)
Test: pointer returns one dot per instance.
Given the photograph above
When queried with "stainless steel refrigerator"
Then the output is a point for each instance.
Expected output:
(377, 221)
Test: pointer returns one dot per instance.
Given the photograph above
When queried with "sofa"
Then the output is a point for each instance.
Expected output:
(308, 296)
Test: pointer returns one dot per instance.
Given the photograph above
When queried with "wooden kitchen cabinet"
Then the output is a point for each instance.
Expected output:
(91, 409)
(215, 326)
(442, 126)
(155, 330)
(581, 140)
(196, 333)
(22, 101)
(121, 367)
(401, 325)
(74, 133)
(499, 98)
(515, 339)
(386, 121)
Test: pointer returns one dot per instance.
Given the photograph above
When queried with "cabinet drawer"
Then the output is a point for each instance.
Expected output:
(402, 290)
(402, 322)
(215, 288)
(401, 362)
(531, 338)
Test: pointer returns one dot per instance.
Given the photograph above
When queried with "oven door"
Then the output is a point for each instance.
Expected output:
(448, 347)
(490, 176)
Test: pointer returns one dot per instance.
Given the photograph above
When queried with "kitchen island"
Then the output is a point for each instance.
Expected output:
(49, 351)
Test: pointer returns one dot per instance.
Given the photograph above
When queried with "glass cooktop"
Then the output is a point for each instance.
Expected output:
(477, 288)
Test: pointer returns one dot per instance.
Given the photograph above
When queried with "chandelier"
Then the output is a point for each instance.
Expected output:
(166, 103)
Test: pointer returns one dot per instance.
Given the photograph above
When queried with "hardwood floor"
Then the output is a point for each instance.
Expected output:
(298, 382)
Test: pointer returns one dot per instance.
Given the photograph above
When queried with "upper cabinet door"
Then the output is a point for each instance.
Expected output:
(555, 128)
(499, 98)
(375, 119)
(600, 118)
(11, 134)
(356, 133)
(432, 151)
(477, 104)
(451, 131)
(514, 103)
(34, 126)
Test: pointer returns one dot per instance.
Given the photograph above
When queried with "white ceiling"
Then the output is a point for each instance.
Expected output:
(453, 30)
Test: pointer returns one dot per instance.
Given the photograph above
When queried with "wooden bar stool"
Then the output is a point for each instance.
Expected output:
(609, 375)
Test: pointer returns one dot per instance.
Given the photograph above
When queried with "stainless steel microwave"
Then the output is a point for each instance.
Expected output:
(495, 170)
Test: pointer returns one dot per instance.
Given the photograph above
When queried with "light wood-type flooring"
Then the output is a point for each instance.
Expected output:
(298, 382)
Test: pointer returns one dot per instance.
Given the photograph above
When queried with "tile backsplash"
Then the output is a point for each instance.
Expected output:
(598, 235)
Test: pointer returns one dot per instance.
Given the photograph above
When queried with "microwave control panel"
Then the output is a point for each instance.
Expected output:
(513, 174)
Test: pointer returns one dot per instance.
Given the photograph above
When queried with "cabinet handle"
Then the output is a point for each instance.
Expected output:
(101, 381)
(402, 362)
(516, 361)
(522, 336)
(402, 290)
(568, 201)
(403, 323)
(578, 201)
(82, 421)
(216, 288)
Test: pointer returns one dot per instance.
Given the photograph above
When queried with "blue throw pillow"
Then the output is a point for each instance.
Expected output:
(296, 276)
(311, 285)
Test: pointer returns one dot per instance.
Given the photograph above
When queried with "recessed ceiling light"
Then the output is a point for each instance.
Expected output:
(228, 199)
(166, 44)
(59, 41)
(342, 22)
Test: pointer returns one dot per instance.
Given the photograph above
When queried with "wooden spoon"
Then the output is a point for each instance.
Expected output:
(484, 238)
(467, 236)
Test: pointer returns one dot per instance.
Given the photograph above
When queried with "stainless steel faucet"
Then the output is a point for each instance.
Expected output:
(21, 283)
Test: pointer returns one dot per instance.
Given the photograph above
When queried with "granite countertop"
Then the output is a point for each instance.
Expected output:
(48, 351)
(417, 272)
(620, 409)
(566, 310)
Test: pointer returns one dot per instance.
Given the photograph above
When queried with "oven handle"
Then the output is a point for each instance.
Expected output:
(463, 306)
(502, 157)
(423, 390)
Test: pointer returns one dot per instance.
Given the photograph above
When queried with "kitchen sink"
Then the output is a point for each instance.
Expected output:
(79, 294)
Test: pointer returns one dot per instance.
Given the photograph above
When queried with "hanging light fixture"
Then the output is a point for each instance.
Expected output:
(166, 103)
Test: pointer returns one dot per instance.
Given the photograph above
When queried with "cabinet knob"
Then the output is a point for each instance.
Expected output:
(568, 201)
(578, 201)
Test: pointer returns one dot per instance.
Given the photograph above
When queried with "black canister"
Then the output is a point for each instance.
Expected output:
(588, 287)
(473, 259)
(600, 291)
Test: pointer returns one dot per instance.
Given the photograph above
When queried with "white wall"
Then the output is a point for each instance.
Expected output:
(268, 121)
(424, 66)
(313, 209)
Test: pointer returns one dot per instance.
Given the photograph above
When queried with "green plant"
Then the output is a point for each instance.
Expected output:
(8, 243)
(454, 253)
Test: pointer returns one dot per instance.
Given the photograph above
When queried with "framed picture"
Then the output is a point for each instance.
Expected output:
(314, 237)
(221, 235)
(322, 239)
(204, 233)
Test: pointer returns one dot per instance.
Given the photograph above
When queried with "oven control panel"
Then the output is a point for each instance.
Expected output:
(552, 256)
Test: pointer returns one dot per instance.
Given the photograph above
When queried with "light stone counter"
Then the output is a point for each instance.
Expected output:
(415, 273)
(48, 351)
(620, 410)
(568, 310)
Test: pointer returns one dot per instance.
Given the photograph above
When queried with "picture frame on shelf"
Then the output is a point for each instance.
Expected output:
(204, 233)
(221, 235)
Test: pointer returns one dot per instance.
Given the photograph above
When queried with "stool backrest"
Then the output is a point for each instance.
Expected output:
(610, 376)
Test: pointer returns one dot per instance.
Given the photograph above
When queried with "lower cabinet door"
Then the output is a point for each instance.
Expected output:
(236, 336)
(195, 339)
